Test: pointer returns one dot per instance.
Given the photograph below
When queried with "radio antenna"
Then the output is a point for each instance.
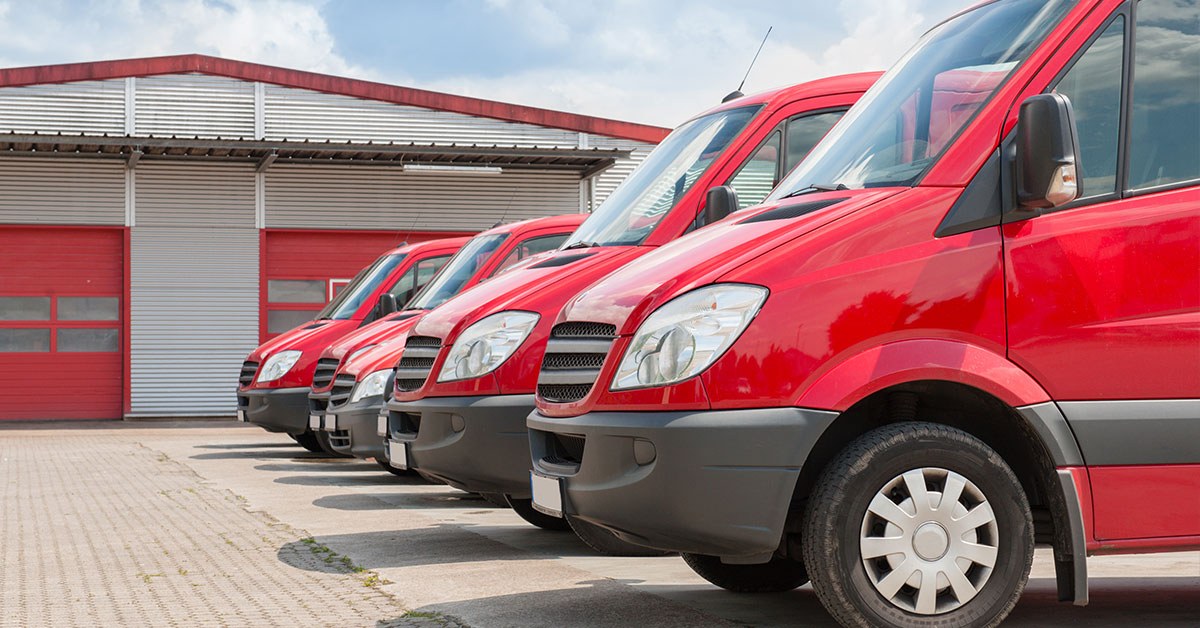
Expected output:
(737, 93)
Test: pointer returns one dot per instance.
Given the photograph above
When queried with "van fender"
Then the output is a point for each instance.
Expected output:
(893, 363)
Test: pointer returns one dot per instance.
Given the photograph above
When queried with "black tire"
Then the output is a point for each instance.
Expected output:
(835, 519)
(387, 466)
(781, 574)
(308, 440)
(326, 448)
(606, 543)
(524, 508)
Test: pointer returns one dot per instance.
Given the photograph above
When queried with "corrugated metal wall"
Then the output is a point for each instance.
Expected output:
(62, 191)
(194, 287)
(91, 107)
(194, 105)
(385, 197)
(608, 180)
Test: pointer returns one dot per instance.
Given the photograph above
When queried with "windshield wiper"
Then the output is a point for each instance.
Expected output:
(580, 245)
(818, 187)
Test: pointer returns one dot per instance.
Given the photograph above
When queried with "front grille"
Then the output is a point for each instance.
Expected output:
(323, 376)
(247, 376)
(417, 361)
(575, 352)
(318, 404)
(342, 387)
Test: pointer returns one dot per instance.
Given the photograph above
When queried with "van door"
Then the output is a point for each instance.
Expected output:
(1103, 294)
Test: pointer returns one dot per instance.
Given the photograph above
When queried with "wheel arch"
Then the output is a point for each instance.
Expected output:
(1033, 439)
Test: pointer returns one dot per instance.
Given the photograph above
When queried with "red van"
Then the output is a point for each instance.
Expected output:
(275, 378)
(353, 373)
(465, 424)
(968, 323)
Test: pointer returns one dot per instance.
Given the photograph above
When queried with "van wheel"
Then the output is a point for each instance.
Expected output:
(327, 448)
(308, 440)
(914, 524)
(781, 574)
(607, 543)
(524, 508)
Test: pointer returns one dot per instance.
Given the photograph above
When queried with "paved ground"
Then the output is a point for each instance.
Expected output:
(216, 524)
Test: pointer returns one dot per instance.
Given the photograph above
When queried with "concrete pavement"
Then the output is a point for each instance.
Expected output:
(100, 520)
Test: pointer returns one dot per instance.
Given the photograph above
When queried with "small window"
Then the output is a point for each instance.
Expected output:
(279, 321)
(24, 308)
(529, 248)
(1165, 122)
(758, 175)
(24, 340)
(88, 340)
(295, 291)
(804, 132)
(89, 309)
(415, 278)
(1093, 85)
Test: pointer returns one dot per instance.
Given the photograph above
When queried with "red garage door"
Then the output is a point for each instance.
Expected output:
(303, 269)
(62, 313)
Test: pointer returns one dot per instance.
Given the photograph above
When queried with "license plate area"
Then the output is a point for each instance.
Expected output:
(330, 422)
(314, 422)
(547, 494)
(381, 423)
(241, 416)
(397, 454)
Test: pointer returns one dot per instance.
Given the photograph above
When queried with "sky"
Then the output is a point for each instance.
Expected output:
(649, 61)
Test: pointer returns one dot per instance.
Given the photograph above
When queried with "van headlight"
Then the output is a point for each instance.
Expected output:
(277, 365)
(371, 385)
(687, 334)
(484, 346)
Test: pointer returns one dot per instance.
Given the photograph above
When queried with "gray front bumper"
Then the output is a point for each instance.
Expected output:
(276, 409)
(709, 482)
(477, 444)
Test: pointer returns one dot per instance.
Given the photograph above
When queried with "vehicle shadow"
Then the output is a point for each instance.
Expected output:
(235, 446)
(319, 464)
(278, 453)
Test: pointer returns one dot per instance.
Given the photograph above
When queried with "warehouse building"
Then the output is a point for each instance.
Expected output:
(146, 206)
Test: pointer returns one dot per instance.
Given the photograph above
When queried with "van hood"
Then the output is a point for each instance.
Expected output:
(380, 331)
(541, 287)
(382, 356)
(628, 295)
(311, 336)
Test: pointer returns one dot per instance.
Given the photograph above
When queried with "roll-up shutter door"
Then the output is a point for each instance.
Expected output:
(61, 318)
(381, 197)
(62, 191)
(194, 287)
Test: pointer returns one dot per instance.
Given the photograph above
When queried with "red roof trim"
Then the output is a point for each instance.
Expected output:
(204, 64)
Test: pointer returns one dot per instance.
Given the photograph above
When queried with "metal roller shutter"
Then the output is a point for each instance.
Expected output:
(190, 194)
(90, 107)
(194, 105)
(62, 191)
(193, 285)
(381, 197)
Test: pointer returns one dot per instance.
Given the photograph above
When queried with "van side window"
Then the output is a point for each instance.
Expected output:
(1094, 86)
(415, 278)
(803, 133)
(758, 176)
(1165, 118)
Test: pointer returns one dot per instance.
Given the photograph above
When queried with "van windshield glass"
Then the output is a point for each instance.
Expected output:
(454, 277)
(347, 302)
(631, 212)
(907, 119)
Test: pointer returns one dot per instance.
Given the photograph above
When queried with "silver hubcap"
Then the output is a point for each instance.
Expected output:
(929, 540)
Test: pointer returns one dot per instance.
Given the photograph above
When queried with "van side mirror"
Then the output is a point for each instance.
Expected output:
(387, 304)
(718, 203)
(1047, 152)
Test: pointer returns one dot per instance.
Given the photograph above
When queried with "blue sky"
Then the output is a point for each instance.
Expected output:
(652, 61)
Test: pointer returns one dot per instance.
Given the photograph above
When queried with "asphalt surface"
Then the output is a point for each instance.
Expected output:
(223, 524)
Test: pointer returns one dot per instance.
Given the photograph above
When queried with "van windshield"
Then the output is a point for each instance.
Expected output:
(347, 302)
(631, 212)
(454, 277)
(910, 116)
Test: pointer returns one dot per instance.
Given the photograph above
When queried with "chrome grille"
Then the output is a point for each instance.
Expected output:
(417, 361)
(247, 376)
(342, 387)
(323, 376)
(575, 352)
